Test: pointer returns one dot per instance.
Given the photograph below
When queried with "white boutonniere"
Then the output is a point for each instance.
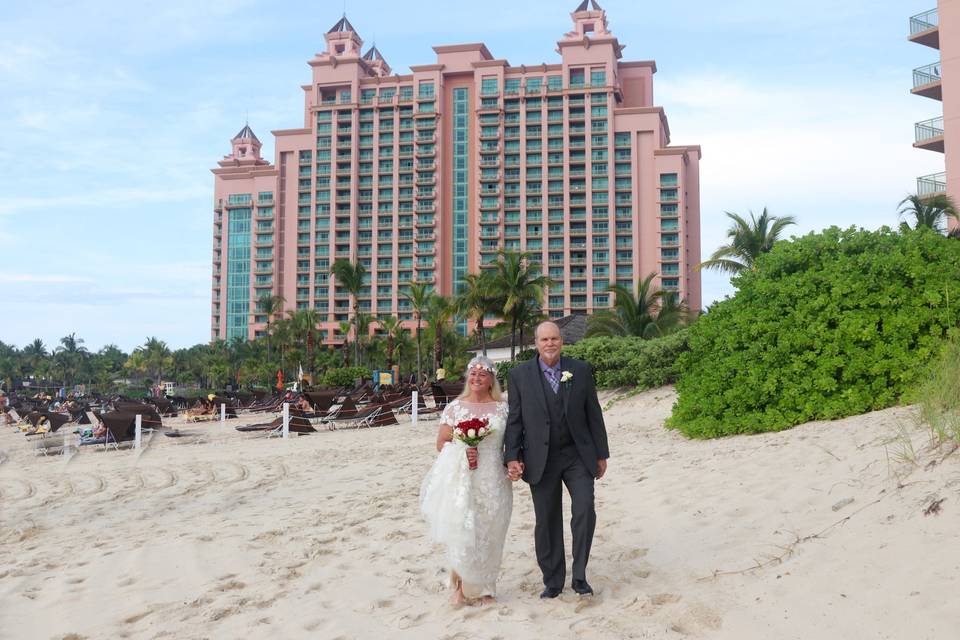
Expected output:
(566, 376)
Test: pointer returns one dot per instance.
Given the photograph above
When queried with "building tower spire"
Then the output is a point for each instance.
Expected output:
(376, 62)
(244, 148)
(343, 40)
(588, 19)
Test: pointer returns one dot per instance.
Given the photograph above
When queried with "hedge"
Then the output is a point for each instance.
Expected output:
(345, 376)
(833, 324)
(630, 361)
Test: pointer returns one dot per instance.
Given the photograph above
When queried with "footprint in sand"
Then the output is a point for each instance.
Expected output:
(137, 617)
(407, 621)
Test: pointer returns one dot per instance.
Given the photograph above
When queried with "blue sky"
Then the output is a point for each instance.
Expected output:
(114, 112)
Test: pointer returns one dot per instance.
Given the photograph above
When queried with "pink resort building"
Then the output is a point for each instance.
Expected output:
(940, 29)
(424, 176)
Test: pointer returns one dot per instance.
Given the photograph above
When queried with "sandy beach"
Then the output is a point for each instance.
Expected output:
(816, 532)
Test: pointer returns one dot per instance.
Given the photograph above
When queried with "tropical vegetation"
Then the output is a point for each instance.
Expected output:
(829, 325)
(748, 240)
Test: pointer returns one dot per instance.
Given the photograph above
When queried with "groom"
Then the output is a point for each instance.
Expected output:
(555, 434)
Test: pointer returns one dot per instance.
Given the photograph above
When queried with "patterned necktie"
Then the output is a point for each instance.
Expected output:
(552, 379)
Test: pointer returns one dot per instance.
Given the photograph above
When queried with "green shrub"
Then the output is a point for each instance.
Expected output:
(632, 361)
(833, 324)
(503, 370)
(345, 376)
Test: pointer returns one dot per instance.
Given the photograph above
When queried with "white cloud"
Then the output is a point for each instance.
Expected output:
(29, 278)
(828, 154)
(121, 196)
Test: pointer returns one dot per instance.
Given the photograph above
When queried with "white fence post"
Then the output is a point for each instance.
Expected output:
(223, 415)
(414, 410)
(138, 438)
(286, 419)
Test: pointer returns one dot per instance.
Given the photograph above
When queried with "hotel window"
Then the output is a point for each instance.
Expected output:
(386, 94)
(367, 95)
(426, 89)
(345, 96)
(668, 179)
(622, 139)
(511, 86)
(239, 199)
(576, 77)
(488, 86)
(598, 77)
(534, 85)
(554, 83)
(406, 93)
(598, 112)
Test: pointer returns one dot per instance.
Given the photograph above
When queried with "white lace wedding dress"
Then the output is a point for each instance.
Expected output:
(468, 511)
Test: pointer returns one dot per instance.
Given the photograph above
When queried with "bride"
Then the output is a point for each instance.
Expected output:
(468, 510)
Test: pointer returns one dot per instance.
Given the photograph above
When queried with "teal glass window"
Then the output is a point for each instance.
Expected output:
(238, 272)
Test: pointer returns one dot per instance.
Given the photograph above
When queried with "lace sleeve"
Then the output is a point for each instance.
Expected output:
(447, 417)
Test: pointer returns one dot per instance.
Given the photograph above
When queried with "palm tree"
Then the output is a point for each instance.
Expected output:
(747, 241)
(649, 314)
(156, 357)
(304, 325)
(475, 301)
(34, 354)
(363, 321)
(345, 331)
(419, 295)
(392, 328)
(517, 286)
(71, 354)
(350, 277)
(932, 212)
(440, 311)
(270, 305)
(529, 315)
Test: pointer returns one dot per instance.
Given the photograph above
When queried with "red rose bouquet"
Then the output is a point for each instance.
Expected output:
(471, 432)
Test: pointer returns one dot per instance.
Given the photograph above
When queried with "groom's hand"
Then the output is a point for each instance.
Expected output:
(514, 470)
(601, 468)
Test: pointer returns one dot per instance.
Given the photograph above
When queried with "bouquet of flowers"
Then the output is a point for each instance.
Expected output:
(471, 432)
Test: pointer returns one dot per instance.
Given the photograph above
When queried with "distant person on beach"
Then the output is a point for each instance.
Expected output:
(555, 436)
(466, 497)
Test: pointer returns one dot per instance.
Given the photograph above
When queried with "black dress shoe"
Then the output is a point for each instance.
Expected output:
(550, 592)
(582, 587)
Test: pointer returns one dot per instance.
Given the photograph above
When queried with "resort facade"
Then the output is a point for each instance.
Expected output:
(423, 177)
(939, 28)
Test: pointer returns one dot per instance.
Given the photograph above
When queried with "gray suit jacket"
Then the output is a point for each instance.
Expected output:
(527, 436)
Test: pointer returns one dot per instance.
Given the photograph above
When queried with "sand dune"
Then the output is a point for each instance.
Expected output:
(817, 532)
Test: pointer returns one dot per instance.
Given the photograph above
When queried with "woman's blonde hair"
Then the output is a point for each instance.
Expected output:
(486, 364)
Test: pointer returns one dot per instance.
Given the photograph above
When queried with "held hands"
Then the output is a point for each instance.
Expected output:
(601, 468)
(514, 470)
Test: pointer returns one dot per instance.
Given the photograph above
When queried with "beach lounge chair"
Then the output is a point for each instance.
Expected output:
(362, 418)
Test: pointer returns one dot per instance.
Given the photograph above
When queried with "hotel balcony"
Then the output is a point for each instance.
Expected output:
(929, 134)
(926, 82)
(925, 29)
(932, 185)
